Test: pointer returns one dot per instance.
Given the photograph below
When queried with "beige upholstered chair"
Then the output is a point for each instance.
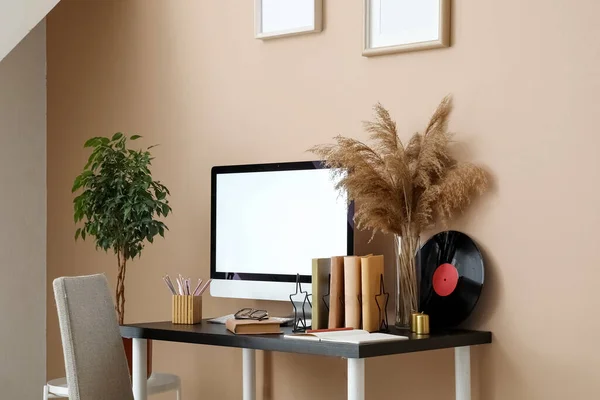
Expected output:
(93, 349)
(94, 356)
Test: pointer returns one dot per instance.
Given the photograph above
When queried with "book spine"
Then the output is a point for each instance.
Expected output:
(352, 288)
(371, 272)
(336, 309)
(315, 293)
(321, 269)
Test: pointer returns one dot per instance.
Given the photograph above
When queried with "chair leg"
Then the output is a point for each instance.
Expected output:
(45, 395)
(178, 391)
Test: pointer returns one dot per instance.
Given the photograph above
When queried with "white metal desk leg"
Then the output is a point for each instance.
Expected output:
(356, 379)
(462, 372)
(140, 369)
(248, 374)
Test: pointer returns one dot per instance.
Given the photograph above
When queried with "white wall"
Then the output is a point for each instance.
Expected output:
(17, 18)
(23, 219)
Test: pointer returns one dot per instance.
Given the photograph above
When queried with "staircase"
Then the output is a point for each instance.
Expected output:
(17, 18)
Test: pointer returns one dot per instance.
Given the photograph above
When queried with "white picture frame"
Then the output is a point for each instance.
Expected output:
(395, 26)
(281, 18)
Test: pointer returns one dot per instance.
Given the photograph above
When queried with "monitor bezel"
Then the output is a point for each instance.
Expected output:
(269, 167)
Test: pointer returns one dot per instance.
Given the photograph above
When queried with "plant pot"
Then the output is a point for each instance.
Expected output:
(128, 345)
(408, 268)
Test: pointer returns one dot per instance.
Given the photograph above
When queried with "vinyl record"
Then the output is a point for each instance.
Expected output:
(452, 276)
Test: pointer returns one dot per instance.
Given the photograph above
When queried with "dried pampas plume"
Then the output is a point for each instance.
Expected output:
(403, 189)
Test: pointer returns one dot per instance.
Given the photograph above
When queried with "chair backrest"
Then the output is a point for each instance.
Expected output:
(92, 345)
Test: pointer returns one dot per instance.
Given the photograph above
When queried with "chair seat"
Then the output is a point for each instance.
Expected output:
(157, 383)
(160, 383)
(58, 387)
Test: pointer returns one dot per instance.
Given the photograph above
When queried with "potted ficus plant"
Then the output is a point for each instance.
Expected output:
(120, 205)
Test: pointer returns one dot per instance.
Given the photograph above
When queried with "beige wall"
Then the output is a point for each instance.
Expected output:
(190, 75)
(23, 218)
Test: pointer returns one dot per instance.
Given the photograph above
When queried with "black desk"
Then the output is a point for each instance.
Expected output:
(216, 335)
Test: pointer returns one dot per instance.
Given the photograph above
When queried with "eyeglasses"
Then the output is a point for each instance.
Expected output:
(251, 313)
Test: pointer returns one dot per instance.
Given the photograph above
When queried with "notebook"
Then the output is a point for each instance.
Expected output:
(253, 327)
(352, 289)
(357, 336)
(321, 269)
(371, 273)
(336, 293)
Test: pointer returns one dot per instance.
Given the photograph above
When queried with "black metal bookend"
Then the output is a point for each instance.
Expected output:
(327, 295)
(382, 299)
(300, 324)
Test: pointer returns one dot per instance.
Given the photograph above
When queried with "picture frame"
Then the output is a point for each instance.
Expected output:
(281, 18)
(395, 26)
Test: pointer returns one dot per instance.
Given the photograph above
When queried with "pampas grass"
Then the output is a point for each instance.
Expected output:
(400, 189)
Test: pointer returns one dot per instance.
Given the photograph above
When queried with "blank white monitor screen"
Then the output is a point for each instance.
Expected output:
(276, 222)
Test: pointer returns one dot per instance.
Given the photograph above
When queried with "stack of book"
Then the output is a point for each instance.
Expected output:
(344, 292)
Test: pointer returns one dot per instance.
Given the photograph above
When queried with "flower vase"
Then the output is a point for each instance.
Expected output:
(408, 268)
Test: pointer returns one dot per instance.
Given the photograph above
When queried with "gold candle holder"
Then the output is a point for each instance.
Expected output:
(421, 326)
(413, 321)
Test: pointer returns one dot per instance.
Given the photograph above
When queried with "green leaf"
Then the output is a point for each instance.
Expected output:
(76, 184)
(166, 209)
(77, 233)
(127, 212)
(90, 160)
(83, 234)
(117, 136)
(135, 137)
(91, 142)
(161, 195)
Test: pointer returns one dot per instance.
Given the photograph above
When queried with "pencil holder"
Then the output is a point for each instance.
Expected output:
(187, 309)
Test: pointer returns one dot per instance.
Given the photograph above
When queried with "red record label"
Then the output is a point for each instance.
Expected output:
(445, 279)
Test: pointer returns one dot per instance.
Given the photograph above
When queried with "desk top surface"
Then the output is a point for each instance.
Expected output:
(217, 335)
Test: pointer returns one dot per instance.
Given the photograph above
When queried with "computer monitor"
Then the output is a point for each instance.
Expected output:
(268, 221)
